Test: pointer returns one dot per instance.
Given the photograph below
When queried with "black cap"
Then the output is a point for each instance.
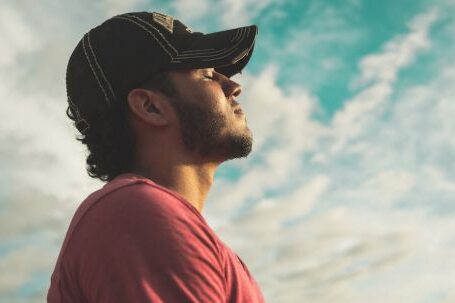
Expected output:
(128, 49)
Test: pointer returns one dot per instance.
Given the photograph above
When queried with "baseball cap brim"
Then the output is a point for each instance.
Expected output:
(227, 51)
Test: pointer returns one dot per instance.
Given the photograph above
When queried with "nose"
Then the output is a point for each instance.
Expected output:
(232, 88)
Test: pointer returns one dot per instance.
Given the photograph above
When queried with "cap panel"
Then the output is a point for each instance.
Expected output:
(231, 49)
(129, 52)
(153, 31)
(98, 73)
(215, 44)
(85, 96)
(232, 69)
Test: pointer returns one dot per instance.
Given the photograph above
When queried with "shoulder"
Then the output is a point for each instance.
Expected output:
(139, 204)
(142, 211)
(147, 240)
(142, 222)
(141, 197)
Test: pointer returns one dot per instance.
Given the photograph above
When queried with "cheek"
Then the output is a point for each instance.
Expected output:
(207, 95)
(212, 96)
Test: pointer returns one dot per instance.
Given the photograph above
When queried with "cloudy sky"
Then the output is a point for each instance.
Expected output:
(349, 193)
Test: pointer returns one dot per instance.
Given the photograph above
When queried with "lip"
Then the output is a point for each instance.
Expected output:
(236, 106)
(238, 110)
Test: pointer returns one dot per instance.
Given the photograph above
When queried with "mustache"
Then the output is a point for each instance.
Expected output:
(233, 102)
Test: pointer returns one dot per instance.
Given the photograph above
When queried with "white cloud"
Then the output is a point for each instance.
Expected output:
(398, 52)
(115, 7)
(17, 36)
(205, 15)
(379, 71)
(18, 267)
(189, 11)
(275, 211)
(317, 44)
(331, 63)
(235, 13)
(387, 186)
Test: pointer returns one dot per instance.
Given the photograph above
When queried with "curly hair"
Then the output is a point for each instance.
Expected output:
(110, 139)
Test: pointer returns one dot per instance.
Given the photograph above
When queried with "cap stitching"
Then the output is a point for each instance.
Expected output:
(99, 67)
(198, 50)
(203, 53)
(240, 56)
(211, 50)
(219, 54)
(93, 70)
(159, 32)
(224, 55)
(153, 35)
(217, 58)
(159, 42)
(78, 116)
(236, 35)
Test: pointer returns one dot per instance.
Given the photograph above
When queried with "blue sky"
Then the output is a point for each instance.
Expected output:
(349, 191)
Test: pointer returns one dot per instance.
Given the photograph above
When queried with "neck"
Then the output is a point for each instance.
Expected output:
(190, 180)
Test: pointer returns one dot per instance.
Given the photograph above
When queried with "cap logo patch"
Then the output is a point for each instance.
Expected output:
(164, 20)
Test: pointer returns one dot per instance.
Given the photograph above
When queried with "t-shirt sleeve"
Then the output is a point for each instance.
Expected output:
(131, 249)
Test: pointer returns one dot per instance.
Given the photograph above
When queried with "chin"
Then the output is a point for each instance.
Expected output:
(240, 145)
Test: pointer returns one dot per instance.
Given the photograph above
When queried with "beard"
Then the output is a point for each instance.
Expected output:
(208, 133)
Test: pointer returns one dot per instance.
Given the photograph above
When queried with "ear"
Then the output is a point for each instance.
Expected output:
(148, 106)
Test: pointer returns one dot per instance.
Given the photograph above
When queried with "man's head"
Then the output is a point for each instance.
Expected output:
(210, 120)
(149, 56)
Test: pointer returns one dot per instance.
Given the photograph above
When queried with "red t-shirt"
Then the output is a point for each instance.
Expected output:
(136, 241)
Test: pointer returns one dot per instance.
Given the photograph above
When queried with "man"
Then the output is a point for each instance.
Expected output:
(156, 107)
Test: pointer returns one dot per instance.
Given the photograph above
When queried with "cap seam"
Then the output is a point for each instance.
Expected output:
(99, 66)
(198, 50)
(217, 58)
(154, 37)
(155, 28)
(236, 35)
(183, 56)
(170, 49)
(93, 70)
(222, 54)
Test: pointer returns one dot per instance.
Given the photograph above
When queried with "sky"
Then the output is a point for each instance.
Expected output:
(349, 192)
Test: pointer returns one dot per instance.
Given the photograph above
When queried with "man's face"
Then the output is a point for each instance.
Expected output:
(209, 122)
